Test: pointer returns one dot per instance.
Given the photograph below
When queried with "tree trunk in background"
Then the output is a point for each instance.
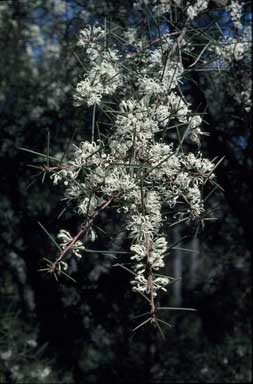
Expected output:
(177, 268)
(194, 261)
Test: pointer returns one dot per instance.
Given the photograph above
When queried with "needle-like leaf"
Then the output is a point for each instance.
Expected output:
(143, 323)
(50, 236)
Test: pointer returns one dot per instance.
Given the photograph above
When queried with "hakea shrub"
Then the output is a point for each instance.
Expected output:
(136, 83)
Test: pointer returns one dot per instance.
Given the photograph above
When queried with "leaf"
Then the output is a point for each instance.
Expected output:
(68, 276)
(143, 323)
(43, 177)
(106, 252)
(48, 145)
(210, 193)
(164, 322)
(177, 242)
(186, 249)
(180, 141)
(161, 331)
(141, 315)
(69, 143)
(216, 165)
(127, 269)
(50, 237)
(38, 153)
(93, 123)
(177, 222)
(218, 186)
(176, 309)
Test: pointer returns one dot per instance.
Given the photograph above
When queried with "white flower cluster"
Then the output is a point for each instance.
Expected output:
(134, 166)
(180, 177)
(103, 77)
(196, 132)
(159, 7)
(149, 247)
(196, 8)
(230, 51)
(90, 36)
(135, 121)
(158, 74)
(235, 10)
(173, 176)
(65, 239)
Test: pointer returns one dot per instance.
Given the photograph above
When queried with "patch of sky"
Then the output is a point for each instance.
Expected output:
(41, 16)
(162, 29)
(38, 15)
(158, 31)
(239, 145)
(71, 9)
(185, 84)
(241, 142)
(133, 20)
(247, 17)
(218, 16)
(45, 19)
(36, 52)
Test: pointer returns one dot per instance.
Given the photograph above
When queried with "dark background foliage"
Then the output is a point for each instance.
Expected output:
(82, 332)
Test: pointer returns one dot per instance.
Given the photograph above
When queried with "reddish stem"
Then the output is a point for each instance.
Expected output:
(150, 282)
(83, 229)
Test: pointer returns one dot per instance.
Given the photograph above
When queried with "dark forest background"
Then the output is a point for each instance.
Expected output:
(66, 332)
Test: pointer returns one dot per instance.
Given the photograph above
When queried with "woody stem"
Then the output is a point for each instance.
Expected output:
(150, 284)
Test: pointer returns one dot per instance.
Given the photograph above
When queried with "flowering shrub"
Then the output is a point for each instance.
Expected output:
(136, 82)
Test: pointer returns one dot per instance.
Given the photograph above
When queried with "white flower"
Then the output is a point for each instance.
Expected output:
(139, 283)
(194, 10)
(66, 239)
(119, 149)
(235, 9)
(158, 249)
(195, 121)
(150, 86)
(103, 79)
(74, 191)
(118, 179)
(136, 122)
(183, 180)
(141, 225)
(90, 35)
(195, 201)
(161, 6)
(139, 250)
(87, 153)
(160, 283)
(62, 265)
(89, 90)
(162, 114)
(199, 163)
(131, 35)
(153, 203)
(87, 205)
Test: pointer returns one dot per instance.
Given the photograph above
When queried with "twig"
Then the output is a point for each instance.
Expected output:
(83, 230)
(150, 282)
